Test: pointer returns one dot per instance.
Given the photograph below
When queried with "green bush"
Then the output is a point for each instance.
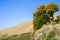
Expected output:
(43, 15)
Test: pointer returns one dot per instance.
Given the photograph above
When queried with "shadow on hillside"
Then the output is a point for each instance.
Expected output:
(24, 36)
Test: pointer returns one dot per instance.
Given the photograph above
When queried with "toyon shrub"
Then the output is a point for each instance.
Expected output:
(43, 15)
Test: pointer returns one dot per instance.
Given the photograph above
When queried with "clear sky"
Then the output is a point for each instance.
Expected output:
(14, 12)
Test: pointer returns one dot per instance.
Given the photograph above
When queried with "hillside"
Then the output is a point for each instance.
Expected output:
(24, 31)
(21, 28)
(18, 29)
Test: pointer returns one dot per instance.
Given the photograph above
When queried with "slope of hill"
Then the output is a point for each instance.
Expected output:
(24, 31)
(21, 28)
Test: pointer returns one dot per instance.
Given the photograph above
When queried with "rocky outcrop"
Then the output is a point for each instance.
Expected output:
(48, 32)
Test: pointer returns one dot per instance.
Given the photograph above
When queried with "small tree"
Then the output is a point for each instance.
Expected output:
(43, 15)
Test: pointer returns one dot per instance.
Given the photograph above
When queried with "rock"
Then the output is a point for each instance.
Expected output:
(48, 32)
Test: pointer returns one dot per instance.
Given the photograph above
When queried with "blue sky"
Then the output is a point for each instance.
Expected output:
(14, 12)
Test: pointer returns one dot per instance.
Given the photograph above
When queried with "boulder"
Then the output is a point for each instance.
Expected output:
(48, 32)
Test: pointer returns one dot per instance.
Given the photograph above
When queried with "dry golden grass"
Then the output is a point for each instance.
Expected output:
(19, 29)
